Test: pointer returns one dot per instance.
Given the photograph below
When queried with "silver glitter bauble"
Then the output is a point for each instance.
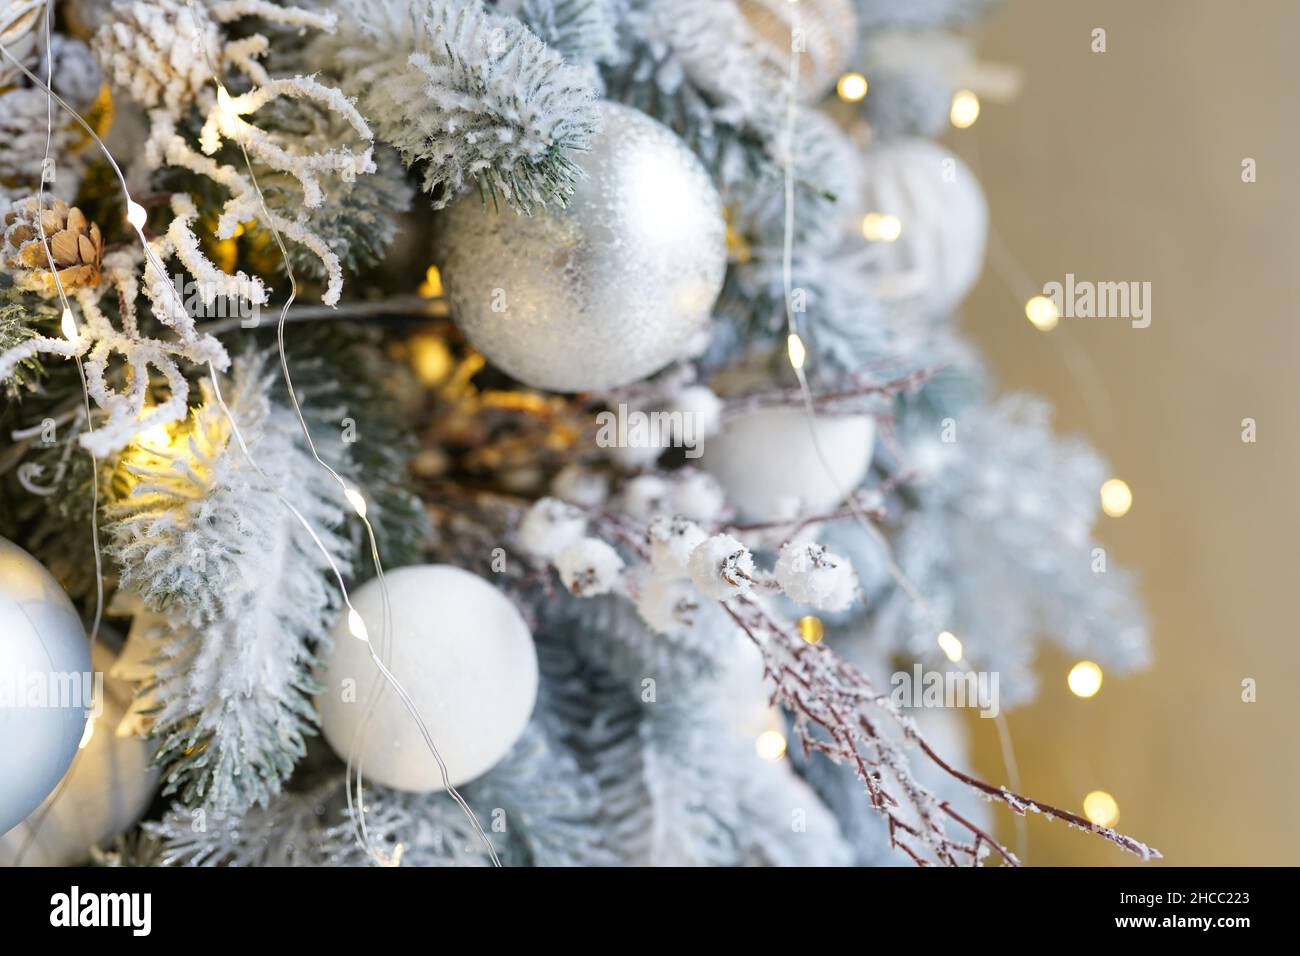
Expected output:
(105, 793)
(45, 683)
(606, 291)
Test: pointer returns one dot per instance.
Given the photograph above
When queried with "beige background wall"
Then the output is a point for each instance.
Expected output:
(1126, 165)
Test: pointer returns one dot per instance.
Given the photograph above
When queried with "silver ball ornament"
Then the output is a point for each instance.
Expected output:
(609, 289)
(105, 793)
(45, 680)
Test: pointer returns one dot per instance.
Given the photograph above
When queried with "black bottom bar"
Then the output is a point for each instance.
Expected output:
(178, 907)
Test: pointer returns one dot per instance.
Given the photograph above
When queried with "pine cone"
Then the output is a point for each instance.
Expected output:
(76, 245)
(155, 51)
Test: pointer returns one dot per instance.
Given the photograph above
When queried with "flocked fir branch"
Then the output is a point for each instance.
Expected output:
(202, 535)
(582, 31)
(473, 98)
(173, 56)
(1000, 543)
(678, 785)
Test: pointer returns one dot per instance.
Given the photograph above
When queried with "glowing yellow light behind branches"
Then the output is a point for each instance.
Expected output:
(852, 87)
(965, 109)
(1116, 498)
(431, 287)
(1101, 808)
(1042, 312)
(881, 227)
(1084, 679)
(770, 745)
(811, 629)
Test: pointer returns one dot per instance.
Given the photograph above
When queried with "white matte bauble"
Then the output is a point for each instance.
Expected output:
(462, 652)
(767, 461)
(20, 22)
(939, 253)
(44, 672)
(605, 291)
(105, 792)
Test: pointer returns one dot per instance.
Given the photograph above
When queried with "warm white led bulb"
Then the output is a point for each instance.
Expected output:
(357, 626)
(950, 645)
(356, 500)
(1116, 498)
(881, 227)
(1101, 808)
(135, 214)
(1042, 312)
(770, 745)
(851, 87)
(68, 326)
(965, 109)
(794, 346)
(1084, 679)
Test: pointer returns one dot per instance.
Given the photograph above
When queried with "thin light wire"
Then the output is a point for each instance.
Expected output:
(238, 435)
(1015, 278)
(792, 329)
(35, 828)
(377, 688)
(805, 392)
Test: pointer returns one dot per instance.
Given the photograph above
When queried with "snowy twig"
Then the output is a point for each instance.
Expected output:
(821, 689)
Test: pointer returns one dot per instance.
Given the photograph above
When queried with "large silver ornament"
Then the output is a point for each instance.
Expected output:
(606, 291)
(46, 683)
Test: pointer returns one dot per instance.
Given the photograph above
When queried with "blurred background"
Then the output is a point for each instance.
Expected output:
(1127, 166)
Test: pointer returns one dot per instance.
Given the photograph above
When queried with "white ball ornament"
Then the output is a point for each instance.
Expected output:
(605, 291)
(462, 652)
(767, 461)
(20, 22)
(943, 222)
(106, 791)
(44, 673)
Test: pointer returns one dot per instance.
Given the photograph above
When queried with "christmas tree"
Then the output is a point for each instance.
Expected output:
(530, 432)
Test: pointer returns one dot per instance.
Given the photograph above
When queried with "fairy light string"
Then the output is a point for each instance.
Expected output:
(136, 217)
(68, 327)
(356, 623)
(797, 354)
